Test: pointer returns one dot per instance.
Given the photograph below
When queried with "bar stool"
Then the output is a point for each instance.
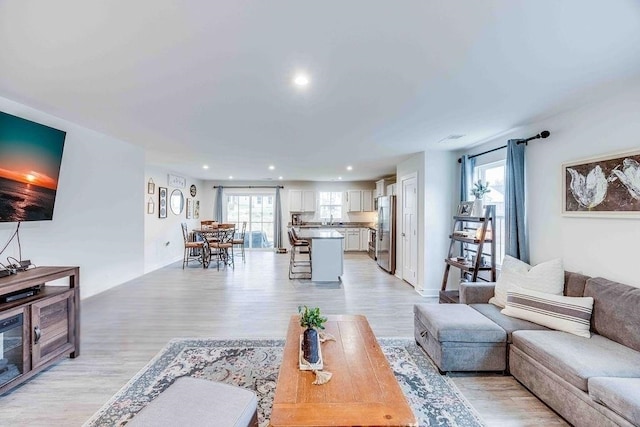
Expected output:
(296, 246)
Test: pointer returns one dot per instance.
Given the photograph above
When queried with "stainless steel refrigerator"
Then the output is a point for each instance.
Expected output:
(385, 235)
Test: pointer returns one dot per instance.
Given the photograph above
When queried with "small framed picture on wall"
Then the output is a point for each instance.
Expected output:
(162, 202)
(189, 208)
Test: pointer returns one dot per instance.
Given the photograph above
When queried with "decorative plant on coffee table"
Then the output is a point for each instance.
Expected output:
(311, 319)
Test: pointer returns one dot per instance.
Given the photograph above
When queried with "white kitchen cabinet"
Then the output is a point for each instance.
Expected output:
(352, 239)
(380, 188)
(391, 190)
(364, 239)
(302, 201)
(354, 201)
(309, 201)
(367, 200)
(360, 201)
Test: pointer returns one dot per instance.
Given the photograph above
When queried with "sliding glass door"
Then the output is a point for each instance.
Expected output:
(257, 210)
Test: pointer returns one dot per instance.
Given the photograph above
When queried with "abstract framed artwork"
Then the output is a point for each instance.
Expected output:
(162, 202)
(604, 186)
(189, 208)
(196, 209)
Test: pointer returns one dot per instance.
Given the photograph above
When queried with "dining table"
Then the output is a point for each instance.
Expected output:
(213, 233)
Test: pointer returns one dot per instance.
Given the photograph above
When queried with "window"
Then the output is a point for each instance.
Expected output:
(257, 211)
(330, 205)
(494, 173)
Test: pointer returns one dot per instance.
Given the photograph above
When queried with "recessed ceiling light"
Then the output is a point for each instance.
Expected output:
(205, 166)
(349, 168)
(339, 177)
(280, 178)
(301, 80)
(271, 167)
(230, 177)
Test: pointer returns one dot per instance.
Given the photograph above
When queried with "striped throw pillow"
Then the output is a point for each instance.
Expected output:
(568, 314)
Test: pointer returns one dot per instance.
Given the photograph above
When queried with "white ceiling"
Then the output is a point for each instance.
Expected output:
(198, 82)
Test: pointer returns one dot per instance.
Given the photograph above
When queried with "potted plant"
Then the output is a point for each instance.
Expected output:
(311, 319)
(479, 190)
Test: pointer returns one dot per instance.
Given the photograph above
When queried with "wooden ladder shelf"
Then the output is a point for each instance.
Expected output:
(471, 233)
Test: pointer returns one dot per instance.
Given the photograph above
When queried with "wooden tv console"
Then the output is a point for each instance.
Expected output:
(50, 318)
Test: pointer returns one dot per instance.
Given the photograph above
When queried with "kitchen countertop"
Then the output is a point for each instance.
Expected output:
(319, 234)
(334, 225)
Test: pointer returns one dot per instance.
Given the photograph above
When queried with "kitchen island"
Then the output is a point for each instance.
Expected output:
(326, 254)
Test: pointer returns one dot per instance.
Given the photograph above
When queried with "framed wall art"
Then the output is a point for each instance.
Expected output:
(189, 208)
(604, 186)
(162, 202)
(177, 181)
(196, 209)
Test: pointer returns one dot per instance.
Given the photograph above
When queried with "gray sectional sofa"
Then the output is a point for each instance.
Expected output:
(588, 381)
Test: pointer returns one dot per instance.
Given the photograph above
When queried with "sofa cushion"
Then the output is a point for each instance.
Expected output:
(621, 395)
(509, 324)
(545, 277)
(574, 284)
(576, 359)
(568, 314)
(457, 323)
(615, 311)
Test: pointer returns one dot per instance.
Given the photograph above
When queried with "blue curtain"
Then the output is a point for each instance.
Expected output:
(217, 213)
(516, 239)
(277, 222)
(466, 176)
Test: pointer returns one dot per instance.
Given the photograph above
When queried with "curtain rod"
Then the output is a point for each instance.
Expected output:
(543, 134)
(248, 186)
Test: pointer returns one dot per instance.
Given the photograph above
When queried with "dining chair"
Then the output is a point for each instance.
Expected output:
(208, 224)
(192, 249)
(221, 244)
(239, 239)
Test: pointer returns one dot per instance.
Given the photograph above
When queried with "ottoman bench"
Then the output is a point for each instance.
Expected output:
(458, 338)
(196, 402)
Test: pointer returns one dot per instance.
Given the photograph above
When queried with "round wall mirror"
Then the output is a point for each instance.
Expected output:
(176, 202)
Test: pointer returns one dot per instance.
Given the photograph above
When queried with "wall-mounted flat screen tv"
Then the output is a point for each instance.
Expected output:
(30, 158)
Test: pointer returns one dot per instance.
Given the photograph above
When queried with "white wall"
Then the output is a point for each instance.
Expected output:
(593, 246)
(98, 218)
(163, 241)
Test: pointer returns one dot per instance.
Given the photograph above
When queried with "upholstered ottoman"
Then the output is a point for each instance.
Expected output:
(197, 403)
(458, 338)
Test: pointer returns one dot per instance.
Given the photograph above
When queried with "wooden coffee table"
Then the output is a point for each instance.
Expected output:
(362, 392)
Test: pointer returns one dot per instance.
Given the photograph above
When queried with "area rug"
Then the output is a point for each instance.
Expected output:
(254, 364)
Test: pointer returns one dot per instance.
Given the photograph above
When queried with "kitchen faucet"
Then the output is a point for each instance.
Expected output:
(331, 219)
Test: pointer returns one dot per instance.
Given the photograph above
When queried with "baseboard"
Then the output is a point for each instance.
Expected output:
(428, 293)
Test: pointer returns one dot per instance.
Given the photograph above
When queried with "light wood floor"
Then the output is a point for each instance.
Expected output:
(126, 326)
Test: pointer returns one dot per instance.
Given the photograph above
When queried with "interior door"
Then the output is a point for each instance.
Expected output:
(410, 231)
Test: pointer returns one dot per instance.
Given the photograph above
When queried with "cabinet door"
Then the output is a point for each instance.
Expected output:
(364, 239)
(295, 200)
(367, 200)
(309, 201)
(380, 188)
(52, 327)
(353, 239)
(354, 198)
(14, 345)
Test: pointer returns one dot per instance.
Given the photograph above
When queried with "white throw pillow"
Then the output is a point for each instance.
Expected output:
(547, 277)
(568, 314)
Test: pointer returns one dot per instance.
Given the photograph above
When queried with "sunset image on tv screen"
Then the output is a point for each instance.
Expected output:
(30, 157)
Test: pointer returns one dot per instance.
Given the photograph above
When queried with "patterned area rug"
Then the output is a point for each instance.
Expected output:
(254, 364)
